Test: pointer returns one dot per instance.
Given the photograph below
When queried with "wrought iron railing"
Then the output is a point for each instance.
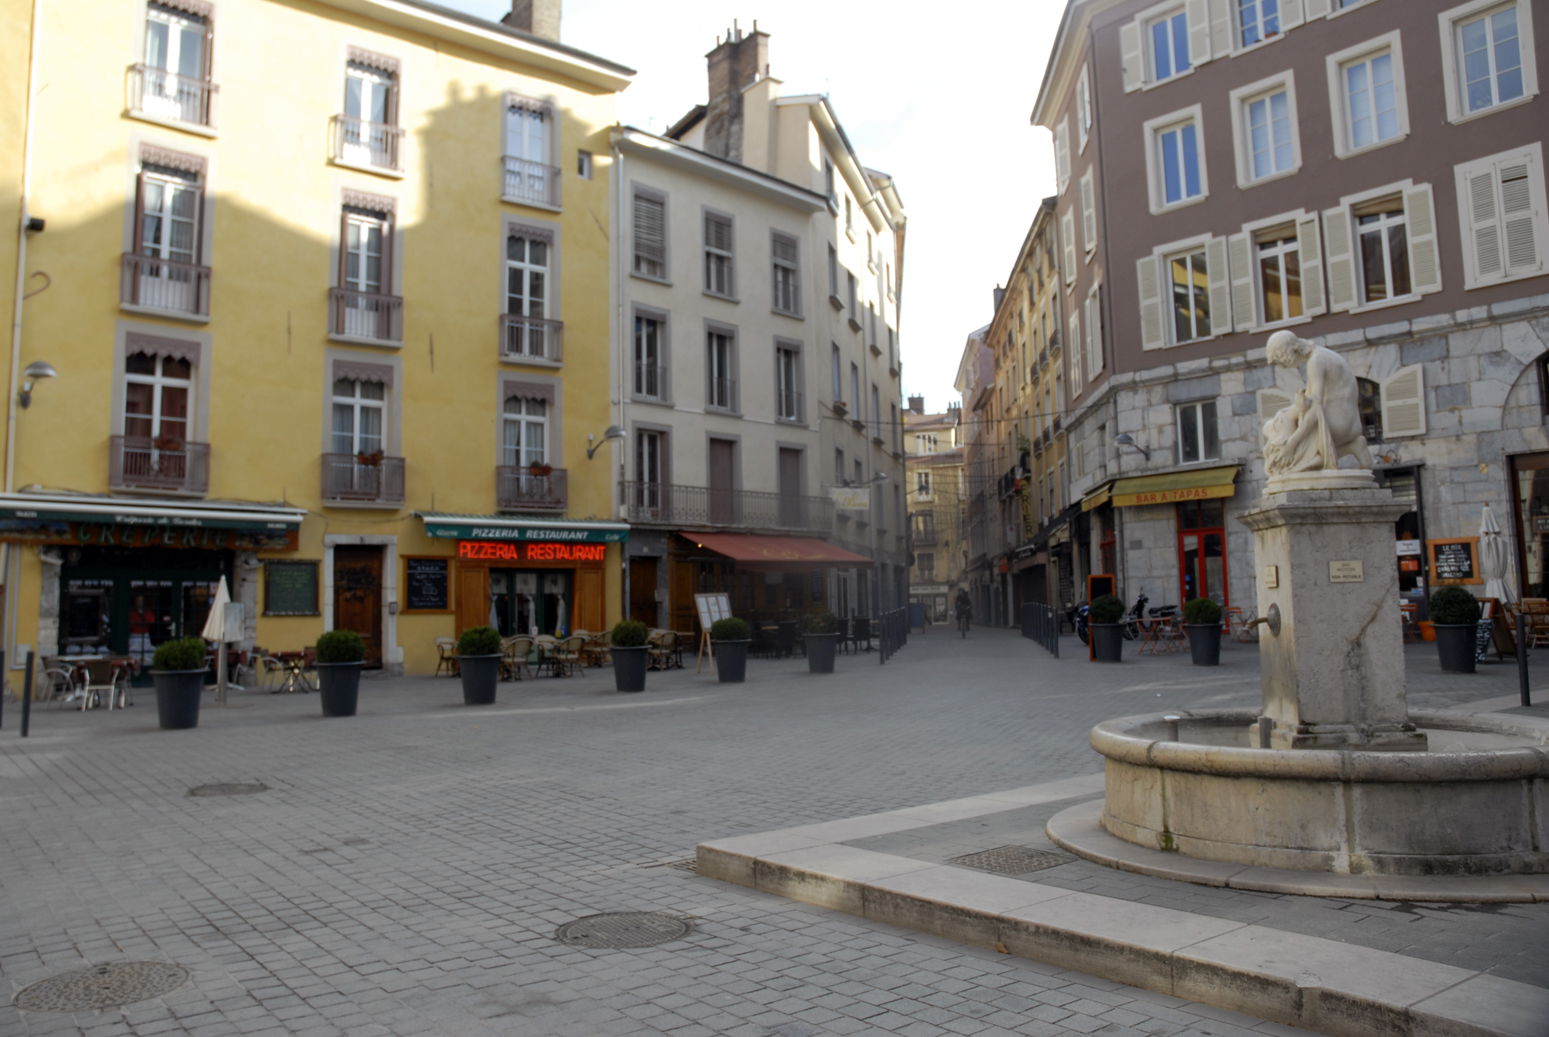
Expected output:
(790, 405)
(164, 284)
(365, 315)
(144, 463)
(651, 381)
(524, 180)
(530, 338)
(166, 95)
(364, 143)
(518, 488)
(673, 504)
(367, 478)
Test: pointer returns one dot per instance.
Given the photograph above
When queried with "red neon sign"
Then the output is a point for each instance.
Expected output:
(529, 551)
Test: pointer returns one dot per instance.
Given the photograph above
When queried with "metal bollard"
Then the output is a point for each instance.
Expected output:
(1173, 720)
(1522, 689)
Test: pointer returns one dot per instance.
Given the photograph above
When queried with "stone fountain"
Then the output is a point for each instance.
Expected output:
(1335, 774)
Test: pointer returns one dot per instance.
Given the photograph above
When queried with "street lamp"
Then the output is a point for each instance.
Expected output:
(1125, 439)
(35, 370)
(611, 432)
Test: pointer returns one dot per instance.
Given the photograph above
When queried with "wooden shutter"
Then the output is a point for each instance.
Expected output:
(1340, 258)
(1271, 402)
(1152, 333)
(1076, 351)
(1088, 213)
(1062, 154)
(1068, 232)
(650, 231)
(1220, 286)
(1094, 334)
(1240, 252)
(1424, 256)
(1482, 218)
(1199, 31)
(1520, 217)
(1290, 14)
(1084, 111)
(1315, 9)
(1221, 28)
(1132, 56)
(1309, 246)
(1403, 403)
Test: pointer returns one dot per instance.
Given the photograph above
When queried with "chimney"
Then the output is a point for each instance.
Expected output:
(538, 17)
(1000, 296)
(736, 61)
(917, 404)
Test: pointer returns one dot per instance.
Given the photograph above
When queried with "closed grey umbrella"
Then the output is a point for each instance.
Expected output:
(1492, 559)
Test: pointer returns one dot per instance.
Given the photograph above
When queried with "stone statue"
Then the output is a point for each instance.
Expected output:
(1323, 423)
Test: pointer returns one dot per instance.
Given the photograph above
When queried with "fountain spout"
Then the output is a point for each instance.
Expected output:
(1272, 617)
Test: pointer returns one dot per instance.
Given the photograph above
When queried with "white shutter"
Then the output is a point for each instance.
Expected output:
(1199, 31)
(1309, 246)
(1088, 213)
(1340, 259)
(1083, 105)
(1062, 155)
(1220, 28)
(1424, 256)
(1482, 218)
(1133, 57)
(1240, 251)
(1271, 402)
(1094, 334)
(1220, 287)
(1290, 14)
(1152, 334)
(1520, 217)
(1074, 351)
(1068, 232)
(1403, 403)
(1315, 9)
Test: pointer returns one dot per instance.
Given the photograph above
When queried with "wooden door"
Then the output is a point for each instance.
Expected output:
(357, 596)
(723, 481)
(683, 616)
(472, 597)
(643, 574)
(792, 499)
(587, 601)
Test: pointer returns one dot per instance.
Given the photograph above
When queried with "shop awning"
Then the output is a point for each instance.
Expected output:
(1166, 488)
(510, 527)
(754, 549)
(17, 509)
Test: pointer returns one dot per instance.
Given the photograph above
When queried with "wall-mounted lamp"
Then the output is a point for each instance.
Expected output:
(35, 370)
(611, 432)
(1125, 439)
(35, 224)
(875, 477)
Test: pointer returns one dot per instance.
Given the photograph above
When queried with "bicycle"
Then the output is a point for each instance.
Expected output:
(964, 621)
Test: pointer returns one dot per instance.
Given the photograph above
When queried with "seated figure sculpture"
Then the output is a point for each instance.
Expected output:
(1323, 423)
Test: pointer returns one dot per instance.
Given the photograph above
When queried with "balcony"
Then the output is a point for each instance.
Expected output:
(153, 283)
(925, 537)
(667, 504)
(518, 489)
(365, 315)
(155, 93)
(530, 338)
(362, 479)
(369, 145)
(173, 466)
(528, 182)
(651, 382)
(790, 406)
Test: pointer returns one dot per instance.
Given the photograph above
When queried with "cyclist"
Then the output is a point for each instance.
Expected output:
(965, 611)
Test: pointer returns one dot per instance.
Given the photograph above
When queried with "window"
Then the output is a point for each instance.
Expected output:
(876, 412)
(1382, 247)
(1257, 20)
(158, 408)
(650, 473)
(850, 297)
(1189, 276)
(583, 164)
(1076, 355)
(1279, 278)
(837, 372)
(828, 181)
(1382, 252)
(367, 132)
(364, 305)
(524, 431)
(529, 333)
(1088, 214)
(1369, 401)
(1503, 216)
(649, 224)
(718, 255)
(162, 271)
(1366, 91)
(788, 397)
(855, 391)
(1168, 44)
(1061, 155)
(1487, 56)
(833, 278)
(922, 483)
(1264, 126)
(174, 80)
(355, 468)
(1083, 107)
(849, 218)
(786, 274)
(925, 563)
(530, 176)
(720, 369)
(838, 467)
(1175, 156)
(1198, 437)
(650, 355)
(1068, 240)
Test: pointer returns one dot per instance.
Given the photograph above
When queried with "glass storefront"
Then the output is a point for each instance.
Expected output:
(125, 602)
(1202, 552)
(530, 602)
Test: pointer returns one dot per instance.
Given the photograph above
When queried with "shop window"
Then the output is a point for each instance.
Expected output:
(1369, 394)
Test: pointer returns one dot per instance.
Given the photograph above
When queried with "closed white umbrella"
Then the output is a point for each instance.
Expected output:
(215, 630)
(1492, 559)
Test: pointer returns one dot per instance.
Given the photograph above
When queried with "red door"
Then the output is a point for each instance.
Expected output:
(1202, 552)
(357, 596)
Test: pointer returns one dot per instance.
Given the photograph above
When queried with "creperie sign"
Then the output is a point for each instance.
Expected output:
(529, 551)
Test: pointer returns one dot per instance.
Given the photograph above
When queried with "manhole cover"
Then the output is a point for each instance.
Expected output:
(1012, 860)
(102, 986)
(229, 789)
(622, 929)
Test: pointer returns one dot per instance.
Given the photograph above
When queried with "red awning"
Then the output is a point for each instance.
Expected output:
(776, 551)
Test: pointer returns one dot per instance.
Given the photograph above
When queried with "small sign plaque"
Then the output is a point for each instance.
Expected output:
(1272, 577)
(1346, 570)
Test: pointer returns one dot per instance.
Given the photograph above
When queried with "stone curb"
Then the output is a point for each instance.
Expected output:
(1297, 980)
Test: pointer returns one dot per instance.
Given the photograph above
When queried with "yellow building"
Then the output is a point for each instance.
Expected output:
(325, 288)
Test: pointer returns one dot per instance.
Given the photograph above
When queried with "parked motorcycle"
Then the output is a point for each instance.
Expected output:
(1132, 623)
(1079, 621)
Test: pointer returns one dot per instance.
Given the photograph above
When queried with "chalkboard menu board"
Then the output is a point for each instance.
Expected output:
(1455, 561)
(426, 581)
(290, 588)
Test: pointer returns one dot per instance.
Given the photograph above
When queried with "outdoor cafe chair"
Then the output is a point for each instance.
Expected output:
(446, 656)
(567, 655)
(513, 657)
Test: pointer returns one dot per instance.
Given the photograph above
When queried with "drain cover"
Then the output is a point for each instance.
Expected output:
(229, 789)
(1012, 860)
(622, 929)
(102, 986)
(686, 864)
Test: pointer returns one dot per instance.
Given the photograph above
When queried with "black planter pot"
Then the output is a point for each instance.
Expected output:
(177, 697)
(1107, 642)
(731, 661)
(1204, 643)
(1455, 646)
(820, 652)
(338, 686)
(629, 665)
(480, 674)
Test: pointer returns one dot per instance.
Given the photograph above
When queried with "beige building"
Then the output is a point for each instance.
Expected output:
(933, 480)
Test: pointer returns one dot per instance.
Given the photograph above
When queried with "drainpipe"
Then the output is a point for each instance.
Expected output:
(621, 342)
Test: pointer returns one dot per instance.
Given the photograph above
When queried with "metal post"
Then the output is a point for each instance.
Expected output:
(5, 686)
(27, 696)
(1527, 699)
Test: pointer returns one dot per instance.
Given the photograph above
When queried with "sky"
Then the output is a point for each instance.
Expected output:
(942, 104)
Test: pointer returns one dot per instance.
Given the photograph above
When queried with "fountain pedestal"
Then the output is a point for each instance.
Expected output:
(1333, 673)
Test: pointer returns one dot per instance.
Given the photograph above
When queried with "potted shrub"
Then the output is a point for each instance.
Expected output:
(820, 631)
(1202, 622)
(630, 654)
(1107, 633)
(478, 662)
(1455, 615)
(178, 669)
(729, 640)
(340, 656)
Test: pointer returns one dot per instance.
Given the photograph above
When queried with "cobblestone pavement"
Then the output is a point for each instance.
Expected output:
(406, 869)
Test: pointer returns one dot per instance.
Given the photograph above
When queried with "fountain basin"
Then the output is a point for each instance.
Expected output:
(1475, 803)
